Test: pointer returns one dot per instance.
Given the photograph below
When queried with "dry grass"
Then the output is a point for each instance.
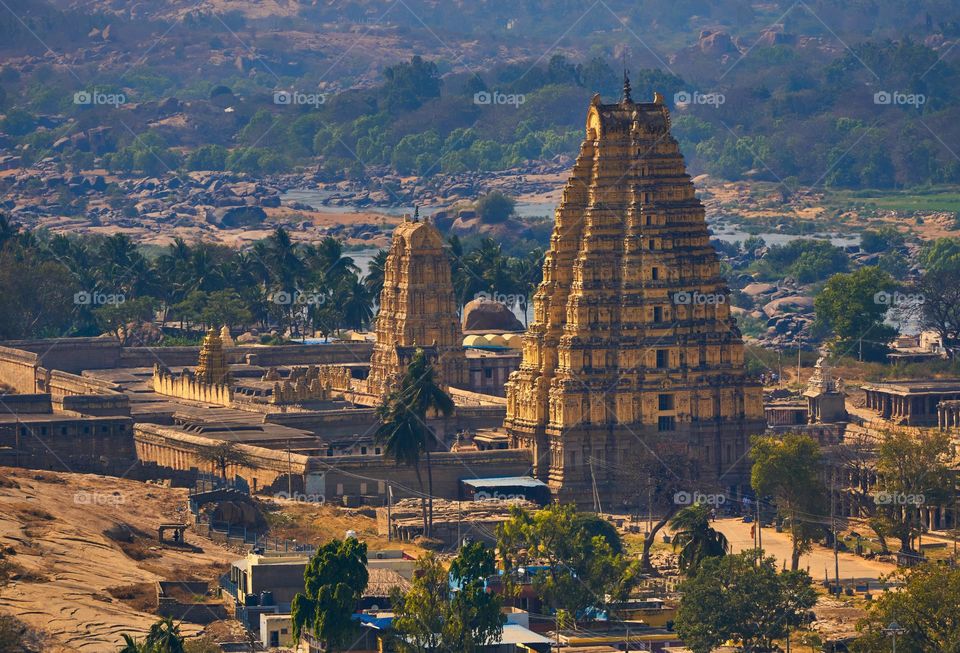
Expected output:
(142, 597)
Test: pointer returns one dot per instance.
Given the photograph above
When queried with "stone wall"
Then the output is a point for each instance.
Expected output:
(363, 476)
(18, 369)
(72, 354)
(177, 450)
(65, 384)
(98, 405)
(27, 404)
(329, 477)
(187, 387)
(100, 445)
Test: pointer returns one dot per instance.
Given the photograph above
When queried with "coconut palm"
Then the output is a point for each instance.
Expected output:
(695, 538)
(375, 273)
(354, 299)
(403, 416)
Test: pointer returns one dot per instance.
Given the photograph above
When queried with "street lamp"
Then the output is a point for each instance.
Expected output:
(892, 631)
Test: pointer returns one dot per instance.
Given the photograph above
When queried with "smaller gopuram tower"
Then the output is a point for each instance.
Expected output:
(417, 310)
(212, 366)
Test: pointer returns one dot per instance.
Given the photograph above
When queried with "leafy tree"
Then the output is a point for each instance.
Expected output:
(431, 617)
(207, 157)
(36, 295)
(806, 260)
(880, 240)
(939, 285)
(222, 455)
(112, 317)
(913, 470)
(925, 607)
(695, 538)
(334, 581)
(735, 597)
(788, 468)
(411, 83)
(853, 306)
(495, 207)
(582, 573)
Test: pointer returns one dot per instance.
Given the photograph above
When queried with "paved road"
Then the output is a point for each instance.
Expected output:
(820, 558)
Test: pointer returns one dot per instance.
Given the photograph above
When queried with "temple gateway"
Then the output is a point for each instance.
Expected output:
(632, 353)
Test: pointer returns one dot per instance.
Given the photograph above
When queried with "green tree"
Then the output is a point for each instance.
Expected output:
(419, 614)
(431, 617)
(163, 637)
(410, 84)
(495, 207)
(788, 469)
(583, 573)
(939, 285)
(853, 306)
(925, 607)
(913, 471)
(695, 538)
(735, 597)
(403, 423)
(334, 581)
(375, 271)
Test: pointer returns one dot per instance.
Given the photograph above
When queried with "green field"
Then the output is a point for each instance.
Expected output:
(936, 199)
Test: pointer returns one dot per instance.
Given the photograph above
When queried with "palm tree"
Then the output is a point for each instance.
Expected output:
(330, 261)
(695, 538)
(285, 264)
(354, 299)
(163, 637)
(375, 274)
(403, 416)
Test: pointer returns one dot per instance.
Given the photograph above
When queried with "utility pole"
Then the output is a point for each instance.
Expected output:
(799, 382)
(290, 474)
(389, 513)
(649, 506)
(759, 528)
(833, 527)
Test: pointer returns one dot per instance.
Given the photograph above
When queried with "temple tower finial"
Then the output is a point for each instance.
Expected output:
(625, 98)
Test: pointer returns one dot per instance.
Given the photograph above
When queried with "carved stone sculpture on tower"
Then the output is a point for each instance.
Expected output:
(632, 346)
(212, 366)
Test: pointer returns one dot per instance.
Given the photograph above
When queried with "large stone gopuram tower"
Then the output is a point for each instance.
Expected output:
(417, 309)
(632, 348)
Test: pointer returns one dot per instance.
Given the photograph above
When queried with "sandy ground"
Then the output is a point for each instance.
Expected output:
(54, 523)
(820, 558)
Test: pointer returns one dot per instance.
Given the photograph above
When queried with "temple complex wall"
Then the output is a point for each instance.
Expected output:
(362, 476)
(64, 384)
(172, 357)
(72, 354)
(18, 369)
(69, 443)
(177, 450)
(27, 404)
(184, 386)
(332, 477)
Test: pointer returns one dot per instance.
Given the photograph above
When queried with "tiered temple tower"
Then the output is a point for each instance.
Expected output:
(632, 348)
(417, 309)
(212, 366)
